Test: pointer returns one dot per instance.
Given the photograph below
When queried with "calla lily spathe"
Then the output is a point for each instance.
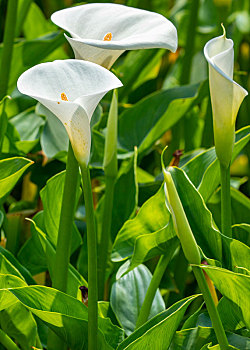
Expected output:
(226, 95)
(180, 221)
(71, 89)
(102, 32)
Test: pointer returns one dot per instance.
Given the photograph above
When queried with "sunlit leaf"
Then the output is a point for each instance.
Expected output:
(51, 196)
(150, 118)
(234, 286)
(66, 316)
(11, 171)
(160, 329)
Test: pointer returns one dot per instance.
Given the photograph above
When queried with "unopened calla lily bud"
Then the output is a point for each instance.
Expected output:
(226, 95)
(110, 159)
(100, 33)
(180, 221)
(71, 89)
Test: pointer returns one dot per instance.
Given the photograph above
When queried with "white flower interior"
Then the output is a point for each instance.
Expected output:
(130, 29)
(70, 89)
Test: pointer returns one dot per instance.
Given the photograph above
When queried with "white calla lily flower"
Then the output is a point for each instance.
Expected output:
(102, 32)
(226, 95)
(71, 89)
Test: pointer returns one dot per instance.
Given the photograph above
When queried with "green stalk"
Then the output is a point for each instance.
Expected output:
(8, 40)
(225, 201)
(65, 225)
(92, 260)
(7, 342)
(60, 273)
(13, 232)
(22, 13)
(110, 165)
(154, 285)
(190, 42)
(179, 128)
(105, 234)
(212, 310)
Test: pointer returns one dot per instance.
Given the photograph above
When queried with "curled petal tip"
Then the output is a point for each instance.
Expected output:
(224, 30)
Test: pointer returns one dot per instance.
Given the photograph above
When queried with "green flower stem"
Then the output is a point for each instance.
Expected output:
(7, 342)
(105, 234)
(22, 13)
(92, 260)
(187, 62)
(212, 310)
(225, 201)
(60, 272)
(110, 165)
(154, 285)
(65, 225)
(8, 40)
(190, 42)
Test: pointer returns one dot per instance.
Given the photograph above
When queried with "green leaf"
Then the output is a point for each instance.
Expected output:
(4, 119)
(28, 125)
(75, 280)
(240, 207)
(15, 319)
(150, 118)
(14, 262)
(54, 138)
(36, 24)
(11, 137)
(159, 330)
(230, 315)
(204, 170)
(51, 196)
(128, 294)
(8, 281)
(11, 171)
(125, 202)
(136, 67)
(197, 338)
(66, 316)
(143, 176)
(152, 217)
(19, 323)
(31, 255)
(151, 245)
(234, 286)
(8, 268)
(239, 253)
(242, 233)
